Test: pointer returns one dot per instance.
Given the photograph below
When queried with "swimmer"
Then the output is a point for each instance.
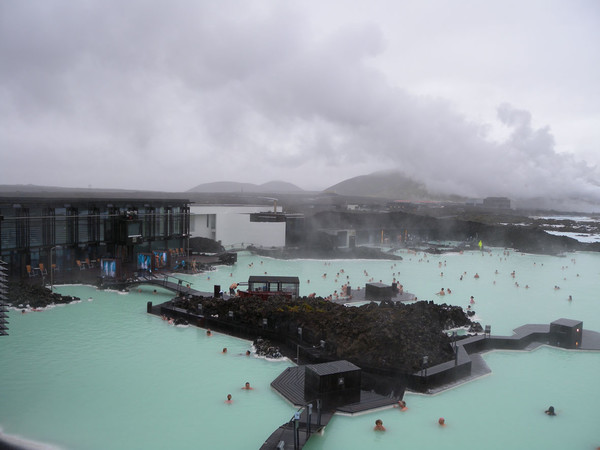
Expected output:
(402, 405)
(476, 275)
(248, 353)
(442, 292)
(379, 425)
(550, 411)
(224, 350)
(247, 387)
(570, 298)
(229, 399)
(208, 332)
(442, 422)
(472, 300)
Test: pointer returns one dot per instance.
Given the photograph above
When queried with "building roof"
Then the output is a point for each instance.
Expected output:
(566, 322)
(330, 368)
(272, 279)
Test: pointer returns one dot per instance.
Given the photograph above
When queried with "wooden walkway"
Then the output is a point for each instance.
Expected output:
(294, 435)
(179, 286)
(470, 350)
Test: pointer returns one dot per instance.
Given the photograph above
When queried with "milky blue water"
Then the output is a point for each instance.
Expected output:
(104, 374)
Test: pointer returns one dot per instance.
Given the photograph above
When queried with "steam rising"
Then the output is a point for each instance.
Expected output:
(134, 95)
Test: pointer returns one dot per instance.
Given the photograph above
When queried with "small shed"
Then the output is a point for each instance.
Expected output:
(567, 333)
(379, 291)
(335, 383)
(274, 284)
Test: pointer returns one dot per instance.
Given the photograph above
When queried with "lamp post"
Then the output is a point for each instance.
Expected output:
(51, 270)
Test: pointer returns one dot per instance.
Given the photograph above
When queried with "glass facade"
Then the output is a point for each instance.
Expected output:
(76, 230)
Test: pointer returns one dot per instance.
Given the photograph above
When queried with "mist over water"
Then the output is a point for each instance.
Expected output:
(76, 374)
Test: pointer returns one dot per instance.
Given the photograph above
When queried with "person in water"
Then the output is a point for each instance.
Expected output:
(442, 422)
(379, 425)
(550, 411)
(229, 399)
(402, 405)
(247, 387)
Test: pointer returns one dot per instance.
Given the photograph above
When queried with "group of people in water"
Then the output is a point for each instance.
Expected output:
(402, 406)
(441, 421)
(246, 387)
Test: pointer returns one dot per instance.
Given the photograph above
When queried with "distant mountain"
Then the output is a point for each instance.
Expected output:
(393, 185)
(272, 187)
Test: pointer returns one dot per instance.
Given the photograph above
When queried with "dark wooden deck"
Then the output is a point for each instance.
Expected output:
(290, 384)
(525, 338)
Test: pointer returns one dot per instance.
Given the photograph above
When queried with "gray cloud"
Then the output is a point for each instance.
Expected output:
(165, 96)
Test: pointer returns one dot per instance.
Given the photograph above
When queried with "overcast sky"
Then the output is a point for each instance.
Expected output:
(471, 97)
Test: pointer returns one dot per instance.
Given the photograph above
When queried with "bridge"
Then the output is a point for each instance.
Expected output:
(173, 284)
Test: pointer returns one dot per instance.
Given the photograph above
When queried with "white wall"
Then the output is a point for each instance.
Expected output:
(232, 226)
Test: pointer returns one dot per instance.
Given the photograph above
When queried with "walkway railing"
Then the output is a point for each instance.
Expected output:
(3, 307)
(294, 424)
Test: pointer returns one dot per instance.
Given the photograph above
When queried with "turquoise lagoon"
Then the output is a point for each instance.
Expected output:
(102, 373)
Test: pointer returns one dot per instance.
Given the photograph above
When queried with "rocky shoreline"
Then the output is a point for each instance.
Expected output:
(314, 253)
(26, 296)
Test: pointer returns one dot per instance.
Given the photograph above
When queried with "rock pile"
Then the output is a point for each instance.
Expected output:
(265, 348)
(23, 295)
(392, 336)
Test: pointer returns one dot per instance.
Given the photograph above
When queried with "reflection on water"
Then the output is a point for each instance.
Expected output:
(76, 374)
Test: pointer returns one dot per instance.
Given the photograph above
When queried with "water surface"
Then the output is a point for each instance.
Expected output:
(104, 374)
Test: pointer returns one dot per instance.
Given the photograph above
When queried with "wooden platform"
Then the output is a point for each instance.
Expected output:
(290, 384)
(525, 338)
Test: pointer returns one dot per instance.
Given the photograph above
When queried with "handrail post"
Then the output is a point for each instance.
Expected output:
(319, 412)
(297, 431)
